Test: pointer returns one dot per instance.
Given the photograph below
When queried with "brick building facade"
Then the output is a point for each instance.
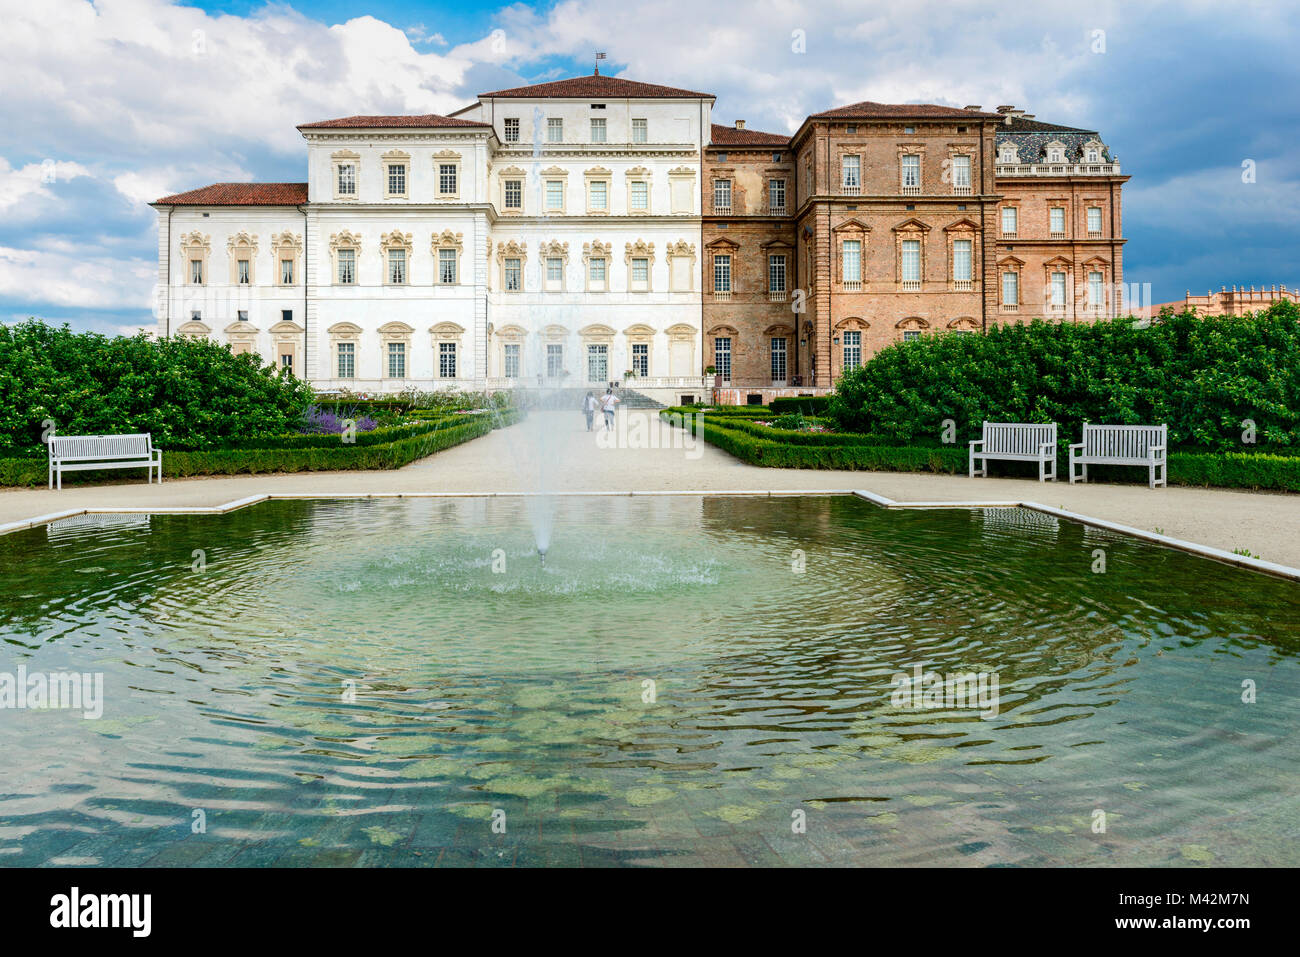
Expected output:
(897, 221)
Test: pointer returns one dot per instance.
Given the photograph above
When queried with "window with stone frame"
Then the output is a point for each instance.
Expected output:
(640, 130)
(514, 194)
(511, 129)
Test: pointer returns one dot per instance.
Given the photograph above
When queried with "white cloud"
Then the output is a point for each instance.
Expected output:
(76, 279)
(35, 180)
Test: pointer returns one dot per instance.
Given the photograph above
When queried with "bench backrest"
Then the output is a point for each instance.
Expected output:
(1122, 441)
(72, 448)
(1017, 438)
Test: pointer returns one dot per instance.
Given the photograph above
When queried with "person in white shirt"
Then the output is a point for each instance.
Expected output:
(607, 403)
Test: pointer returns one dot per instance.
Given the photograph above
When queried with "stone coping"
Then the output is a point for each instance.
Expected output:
(1204, 551)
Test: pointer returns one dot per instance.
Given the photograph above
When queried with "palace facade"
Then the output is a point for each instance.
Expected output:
(598, 229)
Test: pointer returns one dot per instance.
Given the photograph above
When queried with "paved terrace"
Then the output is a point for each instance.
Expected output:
(510, 460)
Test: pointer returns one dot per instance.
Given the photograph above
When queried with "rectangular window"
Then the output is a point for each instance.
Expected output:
(722, 273)
(912, 173)
(851, 173)
(347, 179)
(554, 194)
(1010, 220)
(722, 195)
(447, 360)
(286, 362)
(554, 360)
(1010, 289)
(911, 335)
(347, 266)
(640, 274)
(1096, 289)
(852, 349)
(596, 273)
(243, 315)
(286, 315)
(512, 129)
(778, 359)
(961, 260)
(447, 179)
(722, 356)
(514, 194)
(396, 179)
(597, 362)
(599, 195)
(196, 270)
(1058, 290)
(1057, 224)
(961, 174)
(347, 360)
(641, 359)
(598, 129)
(397, 360)
(554, 273)
(447, 266)
(851, 261)
(640, 196)
(513, 277)
(512, 360)
(1094, 221)
(640, 131)
(196, 315)
(911, 260)
(776, 195)
(243, 271)
(397, 266)
(776, 273)
(555, 130)
(286, 272)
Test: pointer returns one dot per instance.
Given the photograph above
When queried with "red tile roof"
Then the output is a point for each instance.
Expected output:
(421, 122)
(241, 194)
(866, 110)
(598, 86)
(730, 136)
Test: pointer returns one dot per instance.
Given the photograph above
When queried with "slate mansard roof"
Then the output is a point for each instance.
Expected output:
(867, 110)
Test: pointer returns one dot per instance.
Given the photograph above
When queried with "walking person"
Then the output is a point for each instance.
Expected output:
(607, 402)
(589, 409)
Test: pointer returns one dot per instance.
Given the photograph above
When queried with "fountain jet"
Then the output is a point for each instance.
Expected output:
(541, 553)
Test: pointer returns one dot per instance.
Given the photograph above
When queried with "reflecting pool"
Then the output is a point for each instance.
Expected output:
(688, 680)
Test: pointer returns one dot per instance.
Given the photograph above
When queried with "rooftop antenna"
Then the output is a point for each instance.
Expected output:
(599, 57)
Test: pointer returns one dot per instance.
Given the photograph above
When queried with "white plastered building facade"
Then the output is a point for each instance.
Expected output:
(549, 234)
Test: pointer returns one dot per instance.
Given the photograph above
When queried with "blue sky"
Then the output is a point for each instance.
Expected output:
(109, 105)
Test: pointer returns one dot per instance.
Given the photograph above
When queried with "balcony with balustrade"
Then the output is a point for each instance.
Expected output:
(1057, 169)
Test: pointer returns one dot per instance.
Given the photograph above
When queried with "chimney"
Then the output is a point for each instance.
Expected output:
(974, 108)
(740, 125)
(1006, 109)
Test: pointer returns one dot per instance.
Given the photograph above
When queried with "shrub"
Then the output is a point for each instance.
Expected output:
(806, 404)
(1204, 376)
(184, 391)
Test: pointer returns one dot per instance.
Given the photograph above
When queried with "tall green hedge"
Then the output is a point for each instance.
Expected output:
(1204, 376)
(188, 393)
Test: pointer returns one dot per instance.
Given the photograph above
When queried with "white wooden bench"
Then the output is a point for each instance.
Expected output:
(1018, 442)
(1122, 445)
(75, 453)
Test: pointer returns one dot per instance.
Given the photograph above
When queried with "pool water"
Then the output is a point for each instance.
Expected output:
(688, 681)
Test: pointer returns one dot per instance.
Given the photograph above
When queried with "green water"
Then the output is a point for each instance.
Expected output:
(382, 682)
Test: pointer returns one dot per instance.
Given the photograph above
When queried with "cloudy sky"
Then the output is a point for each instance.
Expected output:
(109, 105)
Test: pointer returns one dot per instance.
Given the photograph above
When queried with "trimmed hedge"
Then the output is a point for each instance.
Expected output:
(775, 453)
(398, 451)
(1235, 470)
(807, 404)
(328, 440)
